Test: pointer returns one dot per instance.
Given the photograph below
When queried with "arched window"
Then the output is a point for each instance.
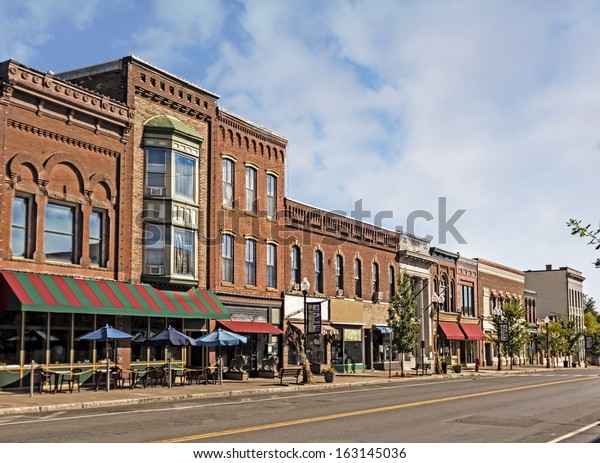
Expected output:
(357, 278)
(318, 271)
(296, 266)
(375, 276)
(392, 281)
(339, 272)
(444, 290)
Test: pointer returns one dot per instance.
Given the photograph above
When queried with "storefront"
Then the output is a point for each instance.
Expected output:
(42, 318)
(384, 355)
(348, 350)
(450, 336)
(470, 347)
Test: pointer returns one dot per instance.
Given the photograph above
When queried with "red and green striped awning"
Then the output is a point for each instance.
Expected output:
(33, 292)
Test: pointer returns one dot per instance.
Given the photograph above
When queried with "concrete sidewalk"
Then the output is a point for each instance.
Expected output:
(17, 402)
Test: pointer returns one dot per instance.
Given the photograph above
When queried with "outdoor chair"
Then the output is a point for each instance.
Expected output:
(155, 376)
(72, 379)
(119, 377)
(41, 377)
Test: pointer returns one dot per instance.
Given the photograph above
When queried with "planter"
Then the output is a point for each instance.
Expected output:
(329, 376)
(457, 368)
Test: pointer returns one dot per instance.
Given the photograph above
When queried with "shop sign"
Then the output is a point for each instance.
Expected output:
(352, 334)
(313, 318)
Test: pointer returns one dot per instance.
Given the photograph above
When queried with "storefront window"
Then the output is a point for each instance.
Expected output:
(60, 341)
(35, 338)
(83, 350)
(9, 339)
(139, 330)
(315, 349)
(348, 350)
(156, 326)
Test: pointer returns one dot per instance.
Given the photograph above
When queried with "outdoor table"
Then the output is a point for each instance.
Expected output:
(177, 372)
(57, 376)
(135, 376)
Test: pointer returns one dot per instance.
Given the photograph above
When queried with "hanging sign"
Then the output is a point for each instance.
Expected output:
(313, 318)
(504, 336)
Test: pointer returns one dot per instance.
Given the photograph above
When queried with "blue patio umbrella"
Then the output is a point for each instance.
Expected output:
(221, 337)
(105, 333)
(170, 337)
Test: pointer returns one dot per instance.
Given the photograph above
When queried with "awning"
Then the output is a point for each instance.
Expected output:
(472, 332)
(451, 330)
(250, 327)
(326, 330)
(384, 329)
(33, 292)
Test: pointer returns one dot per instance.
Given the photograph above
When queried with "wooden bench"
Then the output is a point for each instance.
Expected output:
(421, 366)
(289, 372)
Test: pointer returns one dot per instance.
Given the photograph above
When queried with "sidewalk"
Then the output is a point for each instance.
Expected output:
(17, 402)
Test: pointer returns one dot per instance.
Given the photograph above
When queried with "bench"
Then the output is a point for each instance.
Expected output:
(289, 372)
(421, 366)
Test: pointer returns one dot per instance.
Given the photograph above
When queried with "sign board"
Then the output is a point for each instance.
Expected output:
(352, 335)
(313, 318)
(504, 336)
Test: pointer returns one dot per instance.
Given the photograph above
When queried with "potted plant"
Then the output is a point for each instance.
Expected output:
(457, 368)
(329, 375)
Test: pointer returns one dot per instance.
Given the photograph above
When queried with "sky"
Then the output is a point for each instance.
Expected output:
(492, 106)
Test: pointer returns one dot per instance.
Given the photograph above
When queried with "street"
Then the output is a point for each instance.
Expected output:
(521, 408)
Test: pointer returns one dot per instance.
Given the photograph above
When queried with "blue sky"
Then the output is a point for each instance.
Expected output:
(494, 105)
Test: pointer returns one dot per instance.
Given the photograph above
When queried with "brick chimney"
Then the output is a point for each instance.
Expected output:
(548, 267)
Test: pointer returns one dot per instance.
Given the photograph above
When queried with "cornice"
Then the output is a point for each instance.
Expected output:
(172, 104)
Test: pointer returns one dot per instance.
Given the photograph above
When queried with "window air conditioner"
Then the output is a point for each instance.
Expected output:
(340, 292)
(156, 191)
(296, 287)
(156, 270)
(378, 296)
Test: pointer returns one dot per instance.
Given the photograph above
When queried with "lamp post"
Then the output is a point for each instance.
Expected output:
(437, 301)
(305, 287)
(547, 322)
(497, 317)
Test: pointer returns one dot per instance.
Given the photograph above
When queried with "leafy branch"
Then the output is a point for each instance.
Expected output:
(586, 231)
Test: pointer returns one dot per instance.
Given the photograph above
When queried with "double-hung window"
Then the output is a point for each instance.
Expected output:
(357, 278)
(339, 272)
(375, 273)
(19, 239)
(392, 281)
(250, 262)
(156, 160)
(59, 233)
(228, 182)
(319, 271)
(271, 265)
(227, 258)
(96, 240)
(296, 265)
(251, 189)
(271, 196)
(184, 252)
(154, 248)
(185, 168)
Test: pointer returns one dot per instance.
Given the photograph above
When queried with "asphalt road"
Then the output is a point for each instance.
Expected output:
(523, 408)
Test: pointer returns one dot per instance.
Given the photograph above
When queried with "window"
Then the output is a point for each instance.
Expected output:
(444, 291)
(227, 258)
(318, 271)
(392, 278)
(271, 265)
(375, 273)
(271, 196)
(357, 278)
(19, 238)
(184, 254)
(156, 170)
(250, 189)
(154, 248)
(250, 262)
(339, 272)
(185, 177)
(96, 244)
(228, 182)
(466, 301)
(296, 265)
(59, 233)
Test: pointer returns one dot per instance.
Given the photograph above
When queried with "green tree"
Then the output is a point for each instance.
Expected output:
(586, 231)
(518, 332)
(571, 335)
(592, 328)
(402, 318)
(551, 339)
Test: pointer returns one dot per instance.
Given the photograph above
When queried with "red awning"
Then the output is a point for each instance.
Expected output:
(451, 330)
(250, 327)
(472, 332)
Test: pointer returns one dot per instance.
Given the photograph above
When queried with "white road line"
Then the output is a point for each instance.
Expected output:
(574, 433)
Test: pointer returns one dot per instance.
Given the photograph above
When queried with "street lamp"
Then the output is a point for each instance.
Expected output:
(437, 301)
(497, 316)
(305, 287)
(547, 321)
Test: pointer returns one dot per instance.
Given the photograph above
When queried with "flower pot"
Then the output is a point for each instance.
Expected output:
(329, 376)
(457, 368)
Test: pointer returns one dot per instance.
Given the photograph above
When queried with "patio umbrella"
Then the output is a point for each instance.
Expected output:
(167, 338)
(105, 333)
(219, 338)
(33, 335)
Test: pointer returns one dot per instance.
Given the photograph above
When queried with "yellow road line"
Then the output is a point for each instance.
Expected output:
(363, 412)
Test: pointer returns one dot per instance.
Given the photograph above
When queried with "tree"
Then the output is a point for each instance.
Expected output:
(586, 232)
(592, 328)
(571, 335)
(402, 318)
(589, 306)
(518, 332)
(551, 339)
